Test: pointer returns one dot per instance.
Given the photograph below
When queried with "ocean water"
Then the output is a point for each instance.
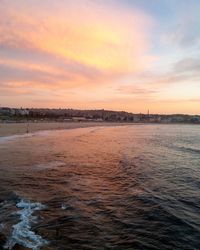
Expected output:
(123, 187)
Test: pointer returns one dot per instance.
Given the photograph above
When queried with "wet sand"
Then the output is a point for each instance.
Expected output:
(7, 129)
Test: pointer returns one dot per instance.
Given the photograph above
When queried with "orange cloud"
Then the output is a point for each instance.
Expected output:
(109, 40)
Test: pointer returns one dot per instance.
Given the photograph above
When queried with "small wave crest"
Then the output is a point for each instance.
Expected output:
(9, 138)
(49, 165)
(21, 232)
(191, 150)
(187, 148)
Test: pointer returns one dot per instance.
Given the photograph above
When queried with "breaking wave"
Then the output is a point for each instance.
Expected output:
(21, 232)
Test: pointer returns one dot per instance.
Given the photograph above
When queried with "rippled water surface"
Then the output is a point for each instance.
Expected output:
(126, 187)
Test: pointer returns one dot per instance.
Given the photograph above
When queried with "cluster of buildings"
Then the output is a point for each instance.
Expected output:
(65, 115)
(4, 111)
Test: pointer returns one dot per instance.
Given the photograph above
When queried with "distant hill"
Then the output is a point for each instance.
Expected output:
(92, 115)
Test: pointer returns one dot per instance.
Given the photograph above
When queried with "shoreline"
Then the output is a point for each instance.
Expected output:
(10, 129)
(21, 128)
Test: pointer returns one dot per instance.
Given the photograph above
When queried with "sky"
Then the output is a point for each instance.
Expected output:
(131, 55)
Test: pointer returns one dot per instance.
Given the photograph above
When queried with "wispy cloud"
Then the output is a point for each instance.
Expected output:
(86, 33)
(82, 44)
(99, 53)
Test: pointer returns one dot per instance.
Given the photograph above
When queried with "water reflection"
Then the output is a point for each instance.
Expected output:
(131, 187)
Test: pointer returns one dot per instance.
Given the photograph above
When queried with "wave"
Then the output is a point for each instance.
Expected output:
(21, 232)
(49, 165)
(8, 138)
(161, 205)
(189, 149)
(4, 139)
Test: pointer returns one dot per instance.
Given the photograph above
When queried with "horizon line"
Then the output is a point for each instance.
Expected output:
(109, 110)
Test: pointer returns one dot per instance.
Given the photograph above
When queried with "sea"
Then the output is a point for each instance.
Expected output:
(120, 187)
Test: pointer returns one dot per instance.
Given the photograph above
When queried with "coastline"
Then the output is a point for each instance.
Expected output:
(21, 128)
(9, 129)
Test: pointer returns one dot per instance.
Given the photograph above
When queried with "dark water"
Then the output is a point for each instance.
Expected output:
(129, 187)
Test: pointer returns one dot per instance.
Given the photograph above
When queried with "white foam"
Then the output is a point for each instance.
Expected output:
(63, 206)
(1, 226)
(21, 232)
(14, 137)
(52, 164)
(8, 138)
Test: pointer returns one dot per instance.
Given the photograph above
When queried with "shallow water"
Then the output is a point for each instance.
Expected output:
(129, 187)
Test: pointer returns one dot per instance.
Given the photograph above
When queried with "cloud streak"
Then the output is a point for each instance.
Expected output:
(104, 52)
(90, 35)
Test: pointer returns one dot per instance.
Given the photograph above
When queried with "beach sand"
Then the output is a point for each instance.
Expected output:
(7, 129)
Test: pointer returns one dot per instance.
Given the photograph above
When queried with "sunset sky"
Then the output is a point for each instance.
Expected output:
(130, 55)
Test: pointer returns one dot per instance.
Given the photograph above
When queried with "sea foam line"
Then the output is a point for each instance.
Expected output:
(8, 138)
(14, 137)
(49, 165)
(21, 232)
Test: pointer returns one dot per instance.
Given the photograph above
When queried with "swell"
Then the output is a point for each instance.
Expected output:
(176, 213)
(188, 149)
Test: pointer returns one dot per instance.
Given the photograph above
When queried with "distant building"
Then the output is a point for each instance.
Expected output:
(136, 118)
(78, 119)
(5, 111)
(23, 111)
(13, 111)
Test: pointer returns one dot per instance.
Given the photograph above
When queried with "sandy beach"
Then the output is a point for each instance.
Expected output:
(7, 129)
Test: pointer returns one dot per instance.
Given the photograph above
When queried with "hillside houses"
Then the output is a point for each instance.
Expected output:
(66, 115)
(13, 111)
